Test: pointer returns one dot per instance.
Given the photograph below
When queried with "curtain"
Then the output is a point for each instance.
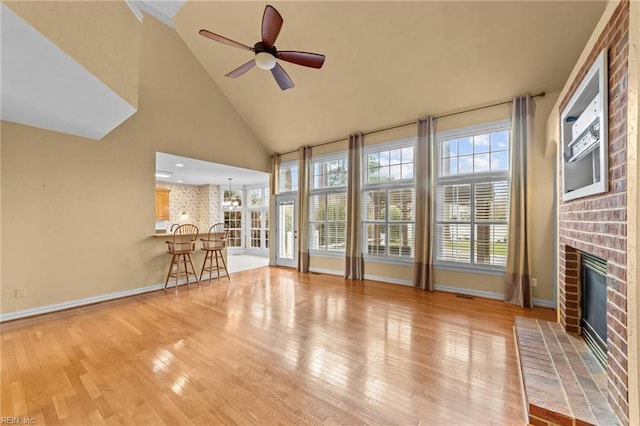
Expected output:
(273, 190)
(275, 170)
(425, 190)
(354, 268)
(518, 270)
(304, 167)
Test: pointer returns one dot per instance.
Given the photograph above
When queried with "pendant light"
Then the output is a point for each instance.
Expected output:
(229, 202)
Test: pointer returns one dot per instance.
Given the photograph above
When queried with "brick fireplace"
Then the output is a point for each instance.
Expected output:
(597, 225)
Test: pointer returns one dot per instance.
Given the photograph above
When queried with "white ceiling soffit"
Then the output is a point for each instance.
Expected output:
(162, 10)
(42, 86)
(198, 172)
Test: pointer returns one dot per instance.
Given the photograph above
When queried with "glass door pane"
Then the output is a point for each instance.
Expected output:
(287, 250)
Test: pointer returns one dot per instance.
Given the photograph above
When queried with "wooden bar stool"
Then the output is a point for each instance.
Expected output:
(181, 247)
(214, 244)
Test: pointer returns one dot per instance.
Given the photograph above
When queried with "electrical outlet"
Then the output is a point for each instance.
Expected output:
(21, 292)
(534, 282)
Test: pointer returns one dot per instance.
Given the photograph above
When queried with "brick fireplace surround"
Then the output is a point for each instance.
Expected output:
(598, 224)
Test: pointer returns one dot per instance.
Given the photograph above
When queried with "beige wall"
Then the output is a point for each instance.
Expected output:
(541, 188)
(103, 36)
(389, 272)
(342, 145)
(78, 215)
(374, 270)
(1, 204)
(484, 283)
(541, 169)
(327, 264)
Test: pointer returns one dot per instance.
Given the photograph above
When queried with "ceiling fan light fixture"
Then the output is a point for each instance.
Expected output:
(265, 60)
(265, 52)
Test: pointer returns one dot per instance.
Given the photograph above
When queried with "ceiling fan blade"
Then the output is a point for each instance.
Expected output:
(271, 25)
(221, 39)
(306, 59)
(241, 69)
(282, 78)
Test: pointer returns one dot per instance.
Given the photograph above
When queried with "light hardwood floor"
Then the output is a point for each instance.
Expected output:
(272, 346)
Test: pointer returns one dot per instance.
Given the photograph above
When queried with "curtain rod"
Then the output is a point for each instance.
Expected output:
(397, 126)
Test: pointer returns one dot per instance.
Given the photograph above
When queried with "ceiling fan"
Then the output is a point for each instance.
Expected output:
(266, 52)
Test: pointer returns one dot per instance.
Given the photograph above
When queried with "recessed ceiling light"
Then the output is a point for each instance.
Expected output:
(163, 175)
(179, 181)
(179, 165)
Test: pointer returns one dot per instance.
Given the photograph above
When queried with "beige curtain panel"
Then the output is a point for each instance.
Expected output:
(518, 270)
(354, 268)
(275, 170)
(273, 190)
(424, 176)
(304, 167)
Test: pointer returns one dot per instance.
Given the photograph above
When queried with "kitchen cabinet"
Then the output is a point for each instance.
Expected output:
(162, 204)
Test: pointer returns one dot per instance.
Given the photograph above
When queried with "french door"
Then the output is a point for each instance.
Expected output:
(287, 231)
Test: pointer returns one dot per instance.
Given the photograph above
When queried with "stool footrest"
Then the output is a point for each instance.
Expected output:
(210, 268)
(175, 271)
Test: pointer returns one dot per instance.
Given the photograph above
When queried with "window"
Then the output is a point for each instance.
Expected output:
(233, 222)
(258, 210)
(232, 203)
(388, 200)
(328, 205)
(330, 173)
(288, 177)
(472, 196)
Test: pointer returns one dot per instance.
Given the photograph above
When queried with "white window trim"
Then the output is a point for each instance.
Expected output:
(471, 179)
(395, 144)
(288, 164)
(324, 158)
(339, 155)
(385, 186)
(462, 132)
(330, 156)
(264, 209)
(241, 247)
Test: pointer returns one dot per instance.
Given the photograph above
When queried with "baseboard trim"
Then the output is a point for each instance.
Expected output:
(490, 295)
(469, 291)
(388, 280)
(326, 271)
(120, 294)
(91, 300)
(544, 303)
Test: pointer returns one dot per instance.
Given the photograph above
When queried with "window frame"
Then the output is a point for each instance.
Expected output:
(472, 179)
(227, 220)
(324, 191)
(229, 229)
(391, 185)
(263, 209)
(288, 164)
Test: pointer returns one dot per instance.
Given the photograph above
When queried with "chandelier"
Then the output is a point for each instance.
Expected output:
(229, 202)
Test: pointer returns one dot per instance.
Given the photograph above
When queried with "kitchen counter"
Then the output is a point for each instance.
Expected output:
(170, 235)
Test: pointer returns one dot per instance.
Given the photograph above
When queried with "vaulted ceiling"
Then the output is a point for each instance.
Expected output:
(387, 62)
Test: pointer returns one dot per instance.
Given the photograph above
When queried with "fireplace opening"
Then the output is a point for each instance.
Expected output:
(593, 303)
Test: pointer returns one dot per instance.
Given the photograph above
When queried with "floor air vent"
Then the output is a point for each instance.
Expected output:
(464, 296)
